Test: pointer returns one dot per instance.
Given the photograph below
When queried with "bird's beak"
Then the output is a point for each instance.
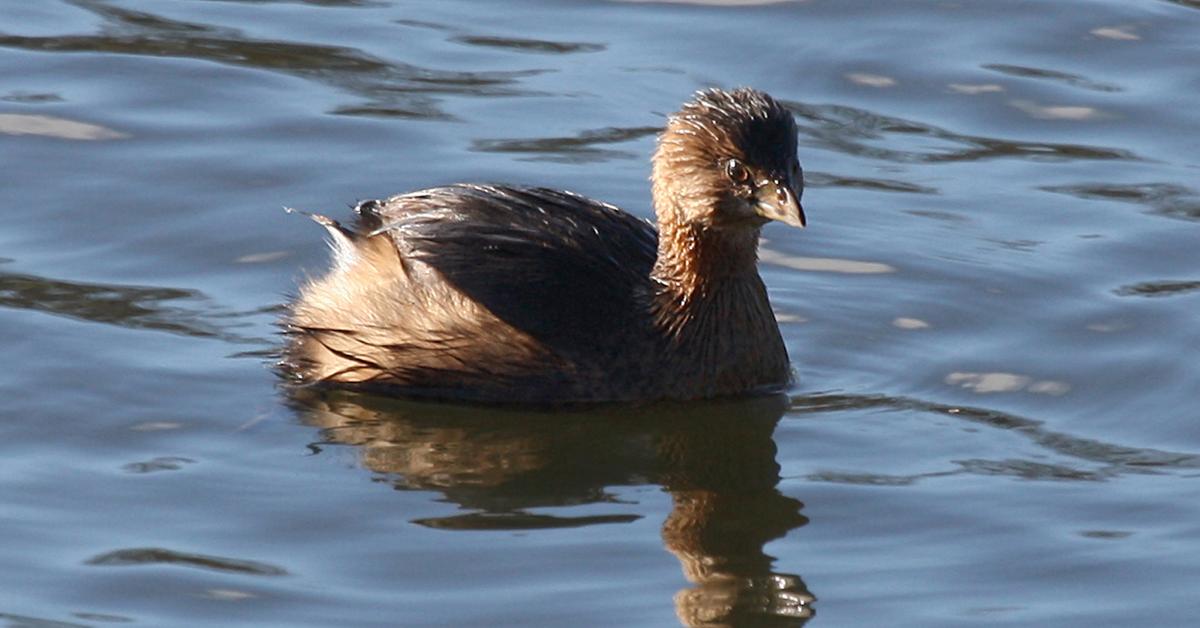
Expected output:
(779, 199)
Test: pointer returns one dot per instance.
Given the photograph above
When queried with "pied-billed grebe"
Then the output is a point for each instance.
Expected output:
(494, 293)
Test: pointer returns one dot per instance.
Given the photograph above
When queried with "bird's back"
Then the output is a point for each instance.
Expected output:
(487, 293)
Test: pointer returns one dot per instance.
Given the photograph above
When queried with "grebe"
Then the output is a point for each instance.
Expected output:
(506, 294)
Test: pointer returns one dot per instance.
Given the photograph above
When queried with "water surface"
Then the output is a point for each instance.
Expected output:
(992, 318)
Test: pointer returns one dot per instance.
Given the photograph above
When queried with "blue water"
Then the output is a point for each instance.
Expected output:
(992, 318)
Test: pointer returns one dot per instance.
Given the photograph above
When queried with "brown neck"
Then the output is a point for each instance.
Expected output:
(696, 260)
(711, 310)
(706, 278)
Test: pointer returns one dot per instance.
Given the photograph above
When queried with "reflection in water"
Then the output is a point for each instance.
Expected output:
(717, 460)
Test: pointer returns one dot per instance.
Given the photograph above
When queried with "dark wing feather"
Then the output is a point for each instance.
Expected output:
(569, 271)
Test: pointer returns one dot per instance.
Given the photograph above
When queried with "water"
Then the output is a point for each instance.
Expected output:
(993, 319)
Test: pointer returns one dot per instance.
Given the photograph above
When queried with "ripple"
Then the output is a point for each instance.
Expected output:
(850, 130)
(104, 617)
(50, 126)
(229, 595)
(26, 621)
(1022, 246)
(1016, 468)
(1191, 4)
(389, 87)
(1074, 80)
(1058, 112)
(156, 426)
(160, 556)
(580, 148)
(529, 45)
(716, 3)
(904, 322)
(1117, 459)
(31, 97)
(422, 111)
(261, 258)
(942, 216)
(164, 463)
(1165, 199)
(1155, 289)
(433, 26)
(1105, 534)
(519, 521)
(871, 80)
(318, 3)
(862, 479)
(823, 264)
(133, 307)
(974, 89)
(1022, 469)
(1028, 470)
(984, 383)
(1120, 33)
(821, 179)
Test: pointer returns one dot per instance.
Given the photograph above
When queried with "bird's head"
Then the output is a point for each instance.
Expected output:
(727, 160)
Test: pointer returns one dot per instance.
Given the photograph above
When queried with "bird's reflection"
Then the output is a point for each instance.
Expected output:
(716, 459)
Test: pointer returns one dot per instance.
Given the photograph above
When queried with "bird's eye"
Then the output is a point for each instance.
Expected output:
(736, 171)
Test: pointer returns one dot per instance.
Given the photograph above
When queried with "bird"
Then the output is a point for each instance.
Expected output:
(508, 294)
